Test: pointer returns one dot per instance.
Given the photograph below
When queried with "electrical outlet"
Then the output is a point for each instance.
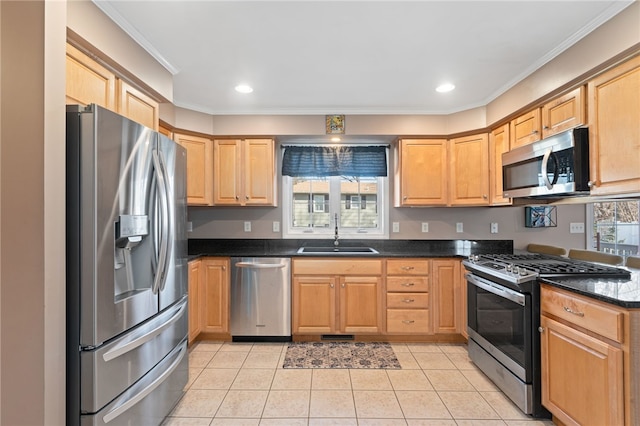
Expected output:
(576, 228)
(276, 226)
(494, 227)
(247, 226)
(425, 226)
(396, 227)
(459, 227)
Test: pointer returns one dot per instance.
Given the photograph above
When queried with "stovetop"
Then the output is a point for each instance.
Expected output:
(518, 270)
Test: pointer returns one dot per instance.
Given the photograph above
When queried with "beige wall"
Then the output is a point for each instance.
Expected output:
(32, 216)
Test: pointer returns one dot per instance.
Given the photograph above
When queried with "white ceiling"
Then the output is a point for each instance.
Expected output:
(352, 57)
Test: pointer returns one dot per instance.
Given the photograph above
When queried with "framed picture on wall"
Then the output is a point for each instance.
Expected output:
(540, 216)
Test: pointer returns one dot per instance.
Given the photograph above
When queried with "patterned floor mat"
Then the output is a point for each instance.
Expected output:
(340, 355)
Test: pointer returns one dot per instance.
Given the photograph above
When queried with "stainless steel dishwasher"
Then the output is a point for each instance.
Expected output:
(260, 299)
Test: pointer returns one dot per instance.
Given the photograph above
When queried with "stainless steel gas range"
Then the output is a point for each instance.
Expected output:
(503, 304)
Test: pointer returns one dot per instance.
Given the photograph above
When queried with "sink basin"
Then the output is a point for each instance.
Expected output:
(337, 250)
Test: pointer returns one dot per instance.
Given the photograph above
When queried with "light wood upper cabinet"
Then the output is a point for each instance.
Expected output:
(195, 283)
(447, 295)
(199, 168)
(89, 82)
(421, 176)
(137, 106)
(614, 130)
(526, 129)
(214, 295)
(498, 144)
(563, 113)
(469, 171)
(244, 172)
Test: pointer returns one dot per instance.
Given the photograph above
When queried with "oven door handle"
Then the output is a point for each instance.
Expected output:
(496, 289)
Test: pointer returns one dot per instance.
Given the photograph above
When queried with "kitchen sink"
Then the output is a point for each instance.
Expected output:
(337, 250)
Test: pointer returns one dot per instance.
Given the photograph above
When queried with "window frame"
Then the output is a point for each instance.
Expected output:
(290, 232)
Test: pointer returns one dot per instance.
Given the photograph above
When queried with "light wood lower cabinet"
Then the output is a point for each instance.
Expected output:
(208, 296)
(583, 352)
(337, 296)
(195, 279)
(214, 295)
(408, 296)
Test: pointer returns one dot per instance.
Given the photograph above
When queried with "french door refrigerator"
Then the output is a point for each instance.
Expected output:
(127, 360)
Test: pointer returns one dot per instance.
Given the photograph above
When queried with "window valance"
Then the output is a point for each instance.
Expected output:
(319, 161)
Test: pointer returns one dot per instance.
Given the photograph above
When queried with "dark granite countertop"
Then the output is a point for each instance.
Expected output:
(385, 248)
(621, 292)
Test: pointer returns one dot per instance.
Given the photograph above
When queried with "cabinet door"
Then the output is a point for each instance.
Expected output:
(227, 181)
(194, 299)
(215, 296)
(88, 81)
(469, 171)
(447, 301)
(423, 171)
(259, 172)
(360, 304)
(614, 130)
(563, 113)
(498, 144)
(199, 168)
(314, 304)
(137, 106)
(525, 129)
(582, 377)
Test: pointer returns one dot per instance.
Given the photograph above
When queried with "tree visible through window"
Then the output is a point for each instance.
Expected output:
(616, 227)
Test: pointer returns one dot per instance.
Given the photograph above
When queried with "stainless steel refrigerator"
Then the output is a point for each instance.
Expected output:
(127, 360)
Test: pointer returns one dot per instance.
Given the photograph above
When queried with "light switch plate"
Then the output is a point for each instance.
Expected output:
(396, 227)
(247, 226)
(425, 226)
(494, 227)
(276, 226)
(459, 227)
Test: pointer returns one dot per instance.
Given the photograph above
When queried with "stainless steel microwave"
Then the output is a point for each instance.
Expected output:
(555, 166)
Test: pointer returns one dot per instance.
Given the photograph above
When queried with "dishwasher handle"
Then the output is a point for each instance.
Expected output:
(252, 265)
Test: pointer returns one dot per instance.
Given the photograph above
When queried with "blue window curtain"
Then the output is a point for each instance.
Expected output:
(318, 161)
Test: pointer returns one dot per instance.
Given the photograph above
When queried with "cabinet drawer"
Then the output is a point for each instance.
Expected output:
(333, 266)
(409, 284)
(407, 267)
(408, 300)
(583, 312)
(407, 321)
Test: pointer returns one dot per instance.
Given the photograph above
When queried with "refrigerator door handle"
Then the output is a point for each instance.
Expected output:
(130, 403)
(139, 341)
(164, 215)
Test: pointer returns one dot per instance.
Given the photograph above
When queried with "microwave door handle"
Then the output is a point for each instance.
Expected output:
(543, 169)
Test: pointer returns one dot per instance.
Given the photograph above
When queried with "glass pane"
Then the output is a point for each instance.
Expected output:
(358, 203)
(616, 227)
(310, 207)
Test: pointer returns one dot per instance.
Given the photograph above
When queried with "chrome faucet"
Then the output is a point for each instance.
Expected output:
(336, 236)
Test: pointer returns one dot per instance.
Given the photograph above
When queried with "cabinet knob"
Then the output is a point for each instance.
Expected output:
(541, 329)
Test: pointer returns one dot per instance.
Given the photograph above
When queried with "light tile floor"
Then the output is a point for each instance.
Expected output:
(245, 384)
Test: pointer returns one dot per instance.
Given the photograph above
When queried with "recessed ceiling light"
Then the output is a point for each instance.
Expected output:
(446, 87)
(244, 88)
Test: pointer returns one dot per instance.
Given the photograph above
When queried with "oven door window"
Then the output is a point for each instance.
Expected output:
(505, 324)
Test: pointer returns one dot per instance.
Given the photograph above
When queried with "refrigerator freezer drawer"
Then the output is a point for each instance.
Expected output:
(151, 399)
(109, 370)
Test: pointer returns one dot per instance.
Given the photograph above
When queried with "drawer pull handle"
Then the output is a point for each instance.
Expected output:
(571, 311)
(408, 284)
(407, 268)
(408, 300)
(408, 321)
